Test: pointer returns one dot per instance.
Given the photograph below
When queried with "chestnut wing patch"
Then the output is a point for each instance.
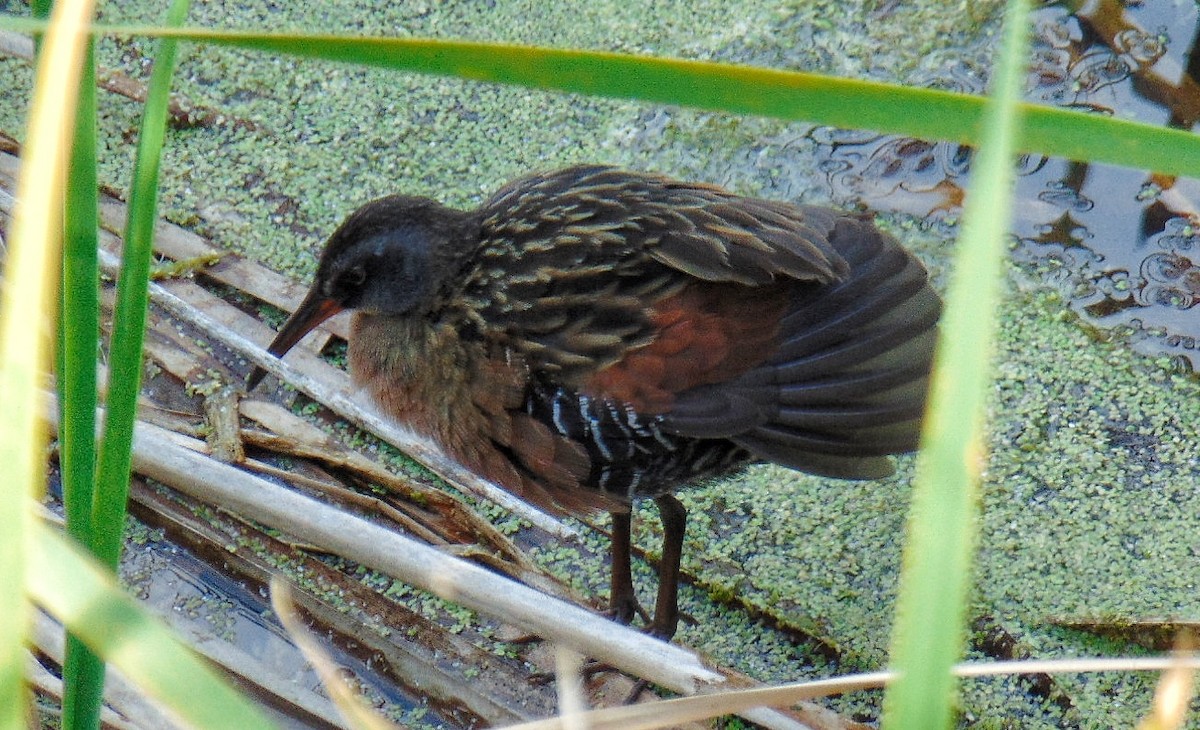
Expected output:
(706, 334)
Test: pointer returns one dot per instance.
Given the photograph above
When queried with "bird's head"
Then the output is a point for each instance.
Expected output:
(388, 257)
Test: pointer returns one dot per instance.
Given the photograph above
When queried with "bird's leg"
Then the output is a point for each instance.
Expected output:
(666, 607)
(622, 602)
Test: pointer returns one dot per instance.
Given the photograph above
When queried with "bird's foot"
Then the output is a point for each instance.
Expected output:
(622, 609)
(589, 671)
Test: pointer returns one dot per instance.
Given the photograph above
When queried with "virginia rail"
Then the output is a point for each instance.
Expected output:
(591, 336)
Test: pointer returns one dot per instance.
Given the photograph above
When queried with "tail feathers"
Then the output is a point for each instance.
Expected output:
(881, 440)
(849, 385)
(722, 414)
(826, 465)
(900, 405)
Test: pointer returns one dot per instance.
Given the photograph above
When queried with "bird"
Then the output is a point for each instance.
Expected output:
(593, 336)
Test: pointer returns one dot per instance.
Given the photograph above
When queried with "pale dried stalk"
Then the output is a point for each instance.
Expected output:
(158, 457)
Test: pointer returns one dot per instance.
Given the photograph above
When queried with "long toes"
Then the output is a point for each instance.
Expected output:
(593, 668)
(622, 610)
(660, 632)
(589, 670)
(639, 687)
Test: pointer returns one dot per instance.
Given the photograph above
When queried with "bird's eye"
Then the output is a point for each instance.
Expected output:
(346, 283)
(353, 277)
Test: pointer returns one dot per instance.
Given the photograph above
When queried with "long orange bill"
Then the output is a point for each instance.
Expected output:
(314, 310)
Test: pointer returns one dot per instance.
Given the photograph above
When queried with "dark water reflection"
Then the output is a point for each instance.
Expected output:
(1122, 246)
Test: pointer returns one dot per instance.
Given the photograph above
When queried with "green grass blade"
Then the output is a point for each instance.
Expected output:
(30, 275)
(78, 327)
(129, 318)
(76, 590)
(727, 87)
(891, 108)
(931, 610)
(79, 318)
